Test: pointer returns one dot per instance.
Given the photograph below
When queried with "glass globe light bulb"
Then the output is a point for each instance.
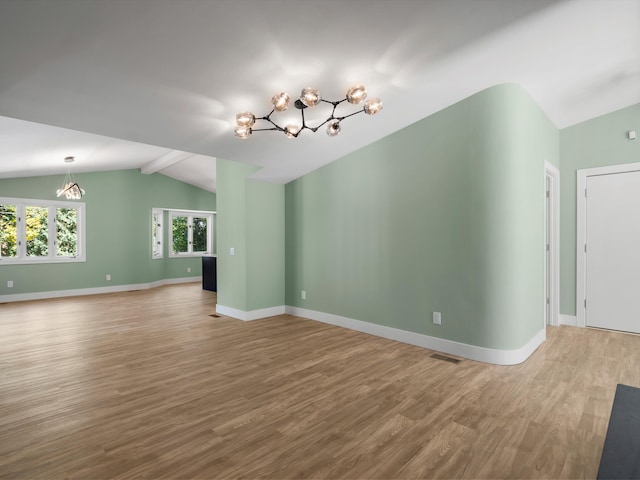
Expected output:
(333, 128)
(242, 131)
(310, 97)
(291, 131)
(280, 101)
(76, 192)
(356, 94)
(245, 119)
(373, 106)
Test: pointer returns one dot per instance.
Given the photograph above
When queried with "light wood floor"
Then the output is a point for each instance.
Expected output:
(148, 385)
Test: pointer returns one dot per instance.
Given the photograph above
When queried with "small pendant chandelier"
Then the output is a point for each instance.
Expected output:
(70, 188)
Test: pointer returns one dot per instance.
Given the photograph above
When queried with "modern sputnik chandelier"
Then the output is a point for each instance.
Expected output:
(70, 188)
(309, 98)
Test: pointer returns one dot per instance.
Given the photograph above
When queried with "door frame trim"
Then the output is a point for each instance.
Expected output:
(581, 229)
(554, 243)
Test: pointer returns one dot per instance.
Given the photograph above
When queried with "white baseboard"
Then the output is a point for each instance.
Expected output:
(250, 315)
(570, 320)
(472, 352)
(19, 297)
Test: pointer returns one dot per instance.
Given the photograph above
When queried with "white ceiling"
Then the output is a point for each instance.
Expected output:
(156, 84)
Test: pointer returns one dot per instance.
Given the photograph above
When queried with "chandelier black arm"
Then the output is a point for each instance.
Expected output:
(277, 128)
(332, 117)
(350, 115)
(315, 129)
(70, 187)
(268, 119)
(335, 104)
(304, 125)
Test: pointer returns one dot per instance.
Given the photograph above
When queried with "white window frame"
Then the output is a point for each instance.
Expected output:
(157, 218)
(190, 214)
(52, 257)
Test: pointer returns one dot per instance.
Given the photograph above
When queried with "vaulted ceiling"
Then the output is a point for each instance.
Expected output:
(156, 84)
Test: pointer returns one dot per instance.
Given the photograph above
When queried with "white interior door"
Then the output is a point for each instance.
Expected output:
(613, 251)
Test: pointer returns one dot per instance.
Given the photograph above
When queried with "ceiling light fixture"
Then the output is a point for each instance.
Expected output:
(70, 188)
(309, 97)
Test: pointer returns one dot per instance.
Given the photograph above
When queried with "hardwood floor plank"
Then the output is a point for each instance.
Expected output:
(147, 384)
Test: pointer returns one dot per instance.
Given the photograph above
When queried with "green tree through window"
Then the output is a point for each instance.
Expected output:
(41, 231)
(199, 234)
(67, 232)
(8, 231)
(180, 225)
(37, 231)
(191, 232)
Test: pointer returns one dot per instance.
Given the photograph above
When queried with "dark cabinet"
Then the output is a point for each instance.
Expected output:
(209, 281)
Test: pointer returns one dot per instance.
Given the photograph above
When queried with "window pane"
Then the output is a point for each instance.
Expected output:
(155, 234)
(37, 231)
(180, 234)
(67, 232)
(199, 234)
(8, 231)
(190, 233)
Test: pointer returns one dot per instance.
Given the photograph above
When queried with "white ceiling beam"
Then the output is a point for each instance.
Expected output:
(166, 160)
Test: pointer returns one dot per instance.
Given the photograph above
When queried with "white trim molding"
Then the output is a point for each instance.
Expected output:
(554, 242)
(581, 230)
(19, 297)
(472, 352)
(250, 315)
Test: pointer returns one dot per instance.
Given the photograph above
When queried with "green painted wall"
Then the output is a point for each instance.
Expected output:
(232, 233)
(445, 215)
(265, 245)
(598, 142)
(250, 220)
(118, 236)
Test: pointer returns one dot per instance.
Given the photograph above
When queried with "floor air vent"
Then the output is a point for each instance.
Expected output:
(445, 358)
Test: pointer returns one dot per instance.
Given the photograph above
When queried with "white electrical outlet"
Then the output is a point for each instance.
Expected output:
(437, 318)
(9, 283)
(108, 277)
(232, 251)
(188, 269)
(303, 294)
